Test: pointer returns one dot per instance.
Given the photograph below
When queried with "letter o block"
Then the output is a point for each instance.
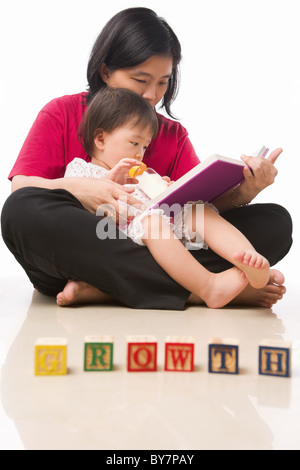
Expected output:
(51, 356)
(141, 353)
(223, 356)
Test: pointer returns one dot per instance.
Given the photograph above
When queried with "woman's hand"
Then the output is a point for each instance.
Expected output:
(104, 194)
(95, 192)
(259, 173)
(91, 192)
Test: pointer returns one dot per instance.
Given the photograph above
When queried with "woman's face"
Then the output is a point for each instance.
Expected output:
(149, 79)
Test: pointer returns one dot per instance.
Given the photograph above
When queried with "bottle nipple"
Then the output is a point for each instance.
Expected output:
(137, 170)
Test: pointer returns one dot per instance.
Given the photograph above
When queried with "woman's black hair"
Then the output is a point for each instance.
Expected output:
(112, 108)
(130, 38)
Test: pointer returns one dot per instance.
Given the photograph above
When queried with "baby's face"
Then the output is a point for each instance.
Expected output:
(127, 141)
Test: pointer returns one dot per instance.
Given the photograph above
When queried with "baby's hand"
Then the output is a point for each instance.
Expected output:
(167, 179)
(119, 173)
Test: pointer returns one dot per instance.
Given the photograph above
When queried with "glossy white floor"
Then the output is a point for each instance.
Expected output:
(162, 410)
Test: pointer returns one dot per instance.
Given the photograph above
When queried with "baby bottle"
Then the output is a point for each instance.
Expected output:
(150, 182)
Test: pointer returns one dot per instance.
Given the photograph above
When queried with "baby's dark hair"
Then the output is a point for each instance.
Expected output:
(111, 108)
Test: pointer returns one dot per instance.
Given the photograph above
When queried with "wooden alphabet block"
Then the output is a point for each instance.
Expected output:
(51, 356)
(275, 358)
(141, 353)
(179, 353)
(223, 356)
(98, 353)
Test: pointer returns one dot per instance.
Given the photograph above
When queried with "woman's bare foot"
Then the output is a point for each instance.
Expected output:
(265, 297)
(221, 288)
(251, 297)
(76, 293)
(255, 266)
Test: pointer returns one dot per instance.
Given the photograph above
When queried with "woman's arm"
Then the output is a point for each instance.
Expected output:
(21, 181)
(259, 173)
(89, 191)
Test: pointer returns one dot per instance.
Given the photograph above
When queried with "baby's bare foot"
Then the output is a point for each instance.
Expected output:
(223, 287)
(255, 266)
(76, 293)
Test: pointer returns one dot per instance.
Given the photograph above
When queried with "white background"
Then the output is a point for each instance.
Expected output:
(240, 90)
(240, 79)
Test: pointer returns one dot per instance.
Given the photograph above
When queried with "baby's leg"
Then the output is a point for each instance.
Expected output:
(228, 242)
(216, 290)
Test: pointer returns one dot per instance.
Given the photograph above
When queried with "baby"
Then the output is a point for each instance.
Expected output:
(116, 130)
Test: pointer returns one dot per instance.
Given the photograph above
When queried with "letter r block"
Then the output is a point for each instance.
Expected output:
(98, 353)
(179, 353)
(51, 356)
(275, 358)
(223, 356)
(141, 353)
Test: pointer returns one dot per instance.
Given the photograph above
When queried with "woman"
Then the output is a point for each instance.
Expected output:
(49, 222)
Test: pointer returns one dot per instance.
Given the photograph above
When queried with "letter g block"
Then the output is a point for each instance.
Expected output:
(51, 356)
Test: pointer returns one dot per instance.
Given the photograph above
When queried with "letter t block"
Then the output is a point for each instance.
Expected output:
(98, 353)
(275, 358)
(223, 356)
(51, 356)
(141, 353)
(179, 353)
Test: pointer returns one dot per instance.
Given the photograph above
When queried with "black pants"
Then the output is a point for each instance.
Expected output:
(54, 239)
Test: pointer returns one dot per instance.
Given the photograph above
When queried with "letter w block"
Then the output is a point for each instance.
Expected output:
(179, 353)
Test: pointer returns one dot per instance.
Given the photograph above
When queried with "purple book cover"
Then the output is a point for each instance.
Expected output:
(209, 184)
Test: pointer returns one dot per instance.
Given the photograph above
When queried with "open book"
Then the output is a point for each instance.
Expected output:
(207, 181)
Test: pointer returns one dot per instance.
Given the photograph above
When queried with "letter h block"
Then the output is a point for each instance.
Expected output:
(223, 356)
(51, 356)
(275, 358)
(179, 353)
(141, 353)
(98, 353)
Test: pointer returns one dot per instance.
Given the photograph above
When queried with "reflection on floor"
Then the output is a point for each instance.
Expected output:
(159, 410)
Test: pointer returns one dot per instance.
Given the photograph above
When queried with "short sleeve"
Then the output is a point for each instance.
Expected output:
(52, 141)
(42, 153)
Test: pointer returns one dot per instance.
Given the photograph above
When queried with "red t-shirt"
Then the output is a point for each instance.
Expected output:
(52, 143)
